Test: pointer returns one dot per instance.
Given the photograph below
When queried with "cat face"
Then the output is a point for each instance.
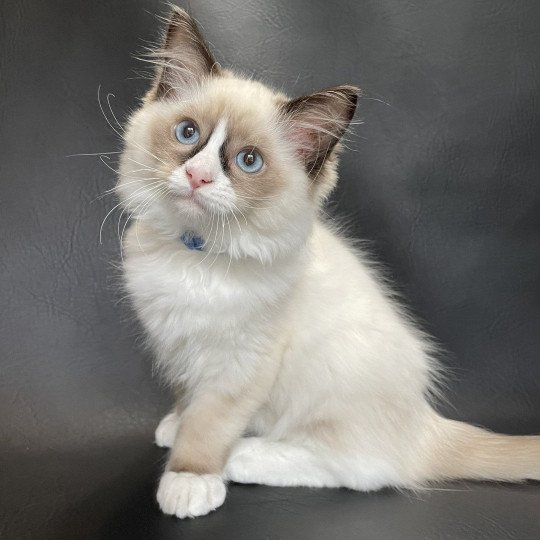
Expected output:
(207, 145)
(219, 148)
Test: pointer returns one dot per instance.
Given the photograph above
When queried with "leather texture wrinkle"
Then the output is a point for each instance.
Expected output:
(441, 178)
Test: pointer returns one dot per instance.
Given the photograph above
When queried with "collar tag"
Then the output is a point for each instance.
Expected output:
(192, 241)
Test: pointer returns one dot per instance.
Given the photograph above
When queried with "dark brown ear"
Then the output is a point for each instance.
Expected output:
(317, 122)
(185, 57)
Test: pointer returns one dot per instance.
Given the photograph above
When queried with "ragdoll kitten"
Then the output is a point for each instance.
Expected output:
(264, 319)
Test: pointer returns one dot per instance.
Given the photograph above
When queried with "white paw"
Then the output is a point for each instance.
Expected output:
(166, 430)
(244, 464)
(190, 495)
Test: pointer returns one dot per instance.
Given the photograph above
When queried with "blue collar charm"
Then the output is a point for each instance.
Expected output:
(192, 241)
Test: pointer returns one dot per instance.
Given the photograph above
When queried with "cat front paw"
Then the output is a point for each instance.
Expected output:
(190, 495)
(166, 430)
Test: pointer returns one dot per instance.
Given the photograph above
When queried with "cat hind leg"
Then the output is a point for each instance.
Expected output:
(256, 460)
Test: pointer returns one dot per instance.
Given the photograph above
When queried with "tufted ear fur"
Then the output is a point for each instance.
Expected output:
(317, 122)
(184, 58)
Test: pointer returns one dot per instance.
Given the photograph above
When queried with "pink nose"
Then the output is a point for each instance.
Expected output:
(197, 176)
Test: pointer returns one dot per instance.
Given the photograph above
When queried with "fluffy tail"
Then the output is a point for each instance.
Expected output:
(462, 451)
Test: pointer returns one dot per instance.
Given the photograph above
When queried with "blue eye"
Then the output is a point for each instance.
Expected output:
(249, 160)
(187, 132)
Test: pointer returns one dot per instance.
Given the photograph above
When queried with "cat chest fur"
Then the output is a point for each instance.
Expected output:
(201, 312)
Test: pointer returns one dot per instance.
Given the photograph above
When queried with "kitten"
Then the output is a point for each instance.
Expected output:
(263, 318)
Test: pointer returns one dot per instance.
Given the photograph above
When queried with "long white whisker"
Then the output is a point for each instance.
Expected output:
(230, 246)
(118, 173)
(95, 154)
(234, 215)
(213, 215)
(153, 197)
(118, 133)
(149, 167)
(114, 208)
(112, 113)
(222, 222)
(151, 192)
(215, 238)
(115, 188)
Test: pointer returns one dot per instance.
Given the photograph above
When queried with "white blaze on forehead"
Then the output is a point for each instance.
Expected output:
(208, 158)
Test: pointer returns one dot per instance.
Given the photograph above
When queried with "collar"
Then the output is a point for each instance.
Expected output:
(192, 241)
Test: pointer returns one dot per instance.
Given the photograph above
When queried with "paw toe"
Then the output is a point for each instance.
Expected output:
(190, 495)
(166, 430)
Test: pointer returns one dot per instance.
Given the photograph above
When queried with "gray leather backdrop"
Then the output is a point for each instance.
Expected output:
(442, 177)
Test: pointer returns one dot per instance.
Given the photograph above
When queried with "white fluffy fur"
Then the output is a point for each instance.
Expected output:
(190, 495)
(166, 430)
(285, 323)
(343, 354)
